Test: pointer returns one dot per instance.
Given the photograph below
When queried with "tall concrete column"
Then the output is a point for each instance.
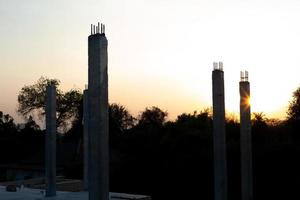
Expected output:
(219, 139)
(85, 141)
(245, 139)
(50, 142)
(98, 115)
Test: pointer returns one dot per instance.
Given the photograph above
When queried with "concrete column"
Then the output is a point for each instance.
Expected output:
(245, 139)
(98, 116)
(219, 139)
(85, 140)
(50, 142)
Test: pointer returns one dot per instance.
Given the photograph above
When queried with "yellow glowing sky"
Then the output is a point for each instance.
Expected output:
(160, 51)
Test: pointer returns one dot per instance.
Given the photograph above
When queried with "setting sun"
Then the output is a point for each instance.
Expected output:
(248, 101)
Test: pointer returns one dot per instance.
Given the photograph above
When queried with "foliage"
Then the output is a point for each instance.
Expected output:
(154, 116)
(259, 119)
(293, 112)
(119, 118)
(32, 99)
(68, 107)
(31, 125)
(7, 125)
(150, 155)
(172, 159)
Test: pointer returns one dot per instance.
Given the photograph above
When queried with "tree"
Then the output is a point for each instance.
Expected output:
(259, 120)
(293, 116)
(7, 124)
(153, 116)
(32, 101)
(31, 125)
(119, 118)
(200, 121)
(69, 107)
(293, 112)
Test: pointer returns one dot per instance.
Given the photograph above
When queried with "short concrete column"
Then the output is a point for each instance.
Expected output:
(219, 139)
(50, 142)
(245, 139)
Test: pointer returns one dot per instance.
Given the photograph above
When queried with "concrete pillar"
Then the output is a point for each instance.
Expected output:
(50, 142)
(219, 139)
(85, 140)
(245, 139)
(98, 116)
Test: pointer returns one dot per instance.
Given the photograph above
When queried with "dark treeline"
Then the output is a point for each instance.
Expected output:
(166, 159)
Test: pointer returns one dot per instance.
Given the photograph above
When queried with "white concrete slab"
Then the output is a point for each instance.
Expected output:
(37, 194)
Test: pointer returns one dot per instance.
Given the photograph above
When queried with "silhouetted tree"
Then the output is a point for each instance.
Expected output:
(32, 99)
(152, 116)
(259, 120)
(119, 118)
(31, 124)
(293, 116)
(294, 106)
(7, 125)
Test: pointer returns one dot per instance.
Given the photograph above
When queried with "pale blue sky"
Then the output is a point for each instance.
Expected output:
(160, 51)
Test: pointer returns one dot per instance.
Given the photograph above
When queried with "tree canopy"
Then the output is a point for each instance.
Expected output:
(119, 118)
(7, 124)
(153, 115)
(32, 99)
(294, 106)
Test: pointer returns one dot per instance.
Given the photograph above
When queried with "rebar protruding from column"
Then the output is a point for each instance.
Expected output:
(219, 139)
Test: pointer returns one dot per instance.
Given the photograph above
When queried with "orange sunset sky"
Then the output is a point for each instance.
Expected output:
(160, 51)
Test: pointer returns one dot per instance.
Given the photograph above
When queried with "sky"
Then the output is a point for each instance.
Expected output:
(161, 52)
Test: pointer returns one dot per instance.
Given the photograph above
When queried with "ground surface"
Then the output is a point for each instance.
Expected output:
(37, 194)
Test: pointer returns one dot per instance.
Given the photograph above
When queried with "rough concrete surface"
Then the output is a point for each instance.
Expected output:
(219, 138)
(98, 118)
